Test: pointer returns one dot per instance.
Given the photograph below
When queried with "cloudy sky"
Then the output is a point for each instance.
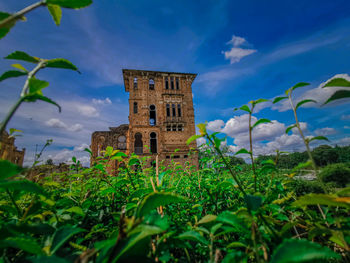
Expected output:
(241, 50)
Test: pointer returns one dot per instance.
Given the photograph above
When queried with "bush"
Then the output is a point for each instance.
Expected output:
(338, 173)
(303, 187)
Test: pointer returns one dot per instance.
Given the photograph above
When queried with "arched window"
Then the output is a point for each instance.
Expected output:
(135, 107)
(122, 142)
(173, 110)
(166, 83)
(138, 145)
(177, 83)
(151, 84)
(168, 110)
(152, 115)
(179, 110)
(135, 83)
(153, 142)
(172, 82)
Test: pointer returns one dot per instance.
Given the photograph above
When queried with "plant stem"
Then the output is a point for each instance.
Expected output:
(251, 146)
(14, 203)
(21, 13)
(24, 92)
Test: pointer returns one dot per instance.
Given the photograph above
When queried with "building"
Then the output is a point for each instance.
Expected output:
(161, 118)
(8, 150)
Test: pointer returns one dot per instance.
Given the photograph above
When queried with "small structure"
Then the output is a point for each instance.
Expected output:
(161, 118)
(8, 150)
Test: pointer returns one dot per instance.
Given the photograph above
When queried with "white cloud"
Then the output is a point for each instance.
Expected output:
(56, 123)
(325, 131)
(236, 53)
(343, 142)
(81, 147)
(106, 101)
(201, 141)
(87, 110)
(215, 126)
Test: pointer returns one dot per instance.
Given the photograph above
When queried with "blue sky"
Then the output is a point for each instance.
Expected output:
(241, 50)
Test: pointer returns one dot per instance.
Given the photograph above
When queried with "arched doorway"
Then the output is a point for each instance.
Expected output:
(138, 145)
(153, 142)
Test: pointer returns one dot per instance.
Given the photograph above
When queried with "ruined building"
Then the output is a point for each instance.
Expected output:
(8, 150)
(161, 118)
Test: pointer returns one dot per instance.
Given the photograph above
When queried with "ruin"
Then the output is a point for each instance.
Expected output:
(8, 150)
(161, 118)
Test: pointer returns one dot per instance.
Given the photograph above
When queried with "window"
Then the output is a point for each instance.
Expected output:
(168, 110)
(179, 127)
(167, 157)
(174, 110)
(122, 142)
(168, 127)
(166, 83)
(135, 83)
(179, 110)
(185, 156)
(176, 156)
(174, 127)
(151, 84)
(153, 142)
(135, 107)
(177, 84)
(172, 82)
(152, 115)
(138, 144)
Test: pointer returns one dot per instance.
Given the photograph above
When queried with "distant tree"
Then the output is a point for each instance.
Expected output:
(49, 162)
(325, 155)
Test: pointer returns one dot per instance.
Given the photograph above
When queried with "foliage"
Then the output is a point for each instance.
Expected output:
(338, 173)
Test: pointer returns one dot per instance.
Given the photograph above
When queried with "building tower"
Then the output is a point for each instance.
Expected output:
(161, 117)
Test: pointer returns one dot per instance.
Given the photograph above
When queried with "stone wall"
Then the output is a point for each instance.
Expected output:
(8, 150)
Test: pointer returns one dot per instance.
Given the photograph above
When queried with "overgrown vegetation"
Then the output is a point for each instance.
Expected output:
(225, 211)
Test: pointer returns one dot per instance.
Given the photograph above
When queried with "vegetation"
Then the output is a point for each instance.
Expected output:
(225, 211)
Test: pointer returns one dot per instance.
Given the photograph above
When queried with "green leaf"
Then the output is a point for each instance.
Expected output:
(260, 122)
(133, 161)
(12, 74)
(61, 63)
(295, 250)
(277, 99)
(202, 128)
(56, 13)
(8, 169)
(299, 85)
(322, 199)
(207, 219)
(194, 236)
(46, 259)
(290, 128)
(155, 200)
(62, 235)
(36, 85)
(75, 4)
(338, 82)
(340, 94)
(245, 108)
(20, 55)
(253, 202)
(7, 27)
(242, 151)
(320, 138)
(35, 97)
(88, 151)
(259, 101)
(193, 138)
(20, 67)
(23, 185)
(303, 102)
(75, 209)
(25, 244)
(302, 166)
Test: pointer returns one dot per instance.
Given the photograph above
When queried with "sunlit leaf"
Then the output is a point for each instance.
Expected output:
(303, 102)
(295, 250)
(340, 94)
(299, 85)
(20, 67)
(277, 99)
(245, 108)
(20, 55)
(36, 86)
(322, 199)
(194, 236)
(75, 4)
(259, 101)
(202, 128)
(260, 122)
(242, 151)
(290, 128)
(8, 169)
(207, 219)
(338, 82)
(75, 209)
(319, 138)
(56, 13)
(12, 74)
(193, 138)
(35, 97)
(61, 63)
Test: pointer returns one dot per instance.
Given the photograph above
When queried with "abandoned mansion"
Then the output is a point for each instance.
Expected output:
(161, 118)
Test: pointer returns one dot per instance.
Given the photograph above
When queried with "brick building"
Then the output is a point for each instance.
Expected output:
(161, 118)
(8, 150)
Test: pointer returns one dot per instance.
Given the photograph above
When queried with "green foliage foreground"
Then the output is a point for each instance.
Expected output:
(181, 215)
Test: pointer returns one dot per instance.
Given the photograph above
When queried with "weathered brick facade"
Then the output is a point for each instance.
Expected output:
(8, 150)
(161, 118)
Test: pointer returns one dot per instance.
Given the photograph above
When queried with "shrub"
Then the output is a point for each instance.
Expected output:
(302, 187)
(338, 173)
